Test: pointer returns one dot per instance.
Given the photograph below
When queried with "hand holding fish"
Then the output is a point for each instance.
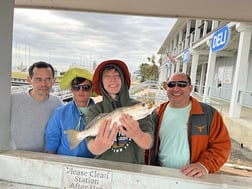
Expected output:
(105, 137)
(136, 112)
(129, 126)
(131, 129)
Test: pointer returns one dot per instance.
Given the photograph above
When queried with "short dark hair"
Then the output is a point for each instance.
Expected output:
(79, 80)
(40, 65)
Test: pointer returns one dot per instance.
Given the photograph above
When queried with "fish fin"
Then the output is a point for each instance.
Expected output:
(72, 137)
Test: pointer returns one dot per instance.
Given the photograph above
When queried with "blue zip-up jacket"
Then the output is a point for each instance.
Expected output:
(64, 118)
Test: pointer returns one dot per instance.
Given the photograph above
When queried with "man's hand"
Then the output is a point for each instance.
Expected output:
(104, 139)
(194, 170)
(130, 127)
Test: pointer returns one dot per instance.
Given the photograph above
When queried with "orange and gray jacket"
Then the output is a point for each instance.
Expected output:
(208, 136)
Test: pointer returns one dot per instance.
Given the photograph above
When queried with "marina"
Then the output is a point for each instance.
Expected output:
(64, 95)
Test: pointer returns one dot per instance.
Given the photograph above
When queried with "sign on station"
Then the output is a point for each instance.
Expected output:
(220, 39)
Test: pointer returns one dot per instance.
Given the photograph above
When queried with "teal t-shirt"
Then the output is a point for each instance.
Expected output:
(174, 149)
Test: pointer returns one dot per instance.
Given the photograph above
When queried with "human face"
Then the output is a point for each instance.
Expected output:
(112, 82)
(42, 82)
(81, 96)
(179, 95)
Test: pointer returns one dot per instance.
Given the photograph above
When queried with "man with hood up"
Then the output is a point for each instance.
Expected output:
(123, 143)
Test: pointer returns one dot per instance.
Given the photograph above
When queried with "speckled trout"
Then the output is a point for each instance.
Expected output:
(137, 112)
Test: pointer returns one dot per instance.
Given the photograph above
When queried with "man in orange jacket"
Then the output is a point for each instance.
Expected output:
(189, 135)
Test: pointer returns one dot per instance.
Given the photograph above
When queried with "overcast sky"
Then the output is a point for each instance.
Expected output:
(66, 38)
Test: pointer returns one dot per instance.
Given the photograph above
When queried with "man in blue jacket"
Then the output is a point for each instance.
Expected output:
(71, 115)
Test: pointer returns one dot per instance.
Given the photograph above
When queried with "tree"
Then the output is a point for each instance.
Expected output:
(154, 67)
(145, 71)
(148, 72)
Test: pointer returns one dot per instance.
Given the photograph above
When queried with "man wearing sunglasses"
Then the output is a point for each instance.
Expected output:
(189, 135)
(71, 115)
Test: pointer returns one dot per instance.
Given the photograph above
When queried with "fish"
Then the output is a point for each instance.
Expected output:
(137, 111)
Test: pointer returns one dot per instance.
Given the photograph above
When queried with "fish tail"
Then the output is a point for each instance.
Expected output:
(73, 139)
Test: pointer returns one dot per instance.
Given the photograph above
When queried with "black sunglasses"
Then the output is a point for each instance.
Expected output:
(84, 87)
(181, 84)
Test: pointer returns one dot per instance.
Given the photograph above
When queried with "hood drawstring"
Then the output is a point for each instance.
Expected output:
(115, 104)
(78, 125)
(81, 116)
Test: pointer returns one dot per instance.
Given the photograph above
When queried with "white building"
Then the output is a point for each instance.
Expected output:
(223, 74)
